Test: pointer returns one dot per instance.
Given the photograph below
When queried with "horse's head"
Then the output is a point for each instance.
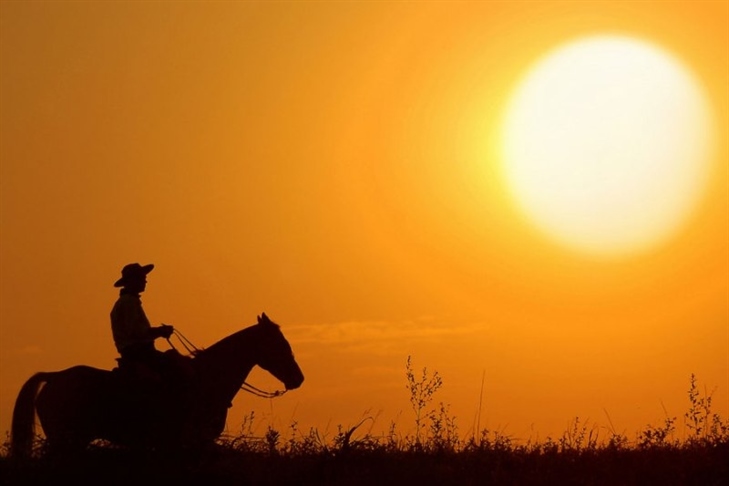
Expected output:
(276, 355)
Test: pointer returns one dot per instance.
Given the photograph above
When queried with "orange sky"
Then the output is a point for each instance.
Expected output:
(334, 165)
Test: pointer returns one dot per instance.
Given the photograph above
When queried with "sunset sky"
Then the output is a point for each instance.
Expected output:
(342, 167)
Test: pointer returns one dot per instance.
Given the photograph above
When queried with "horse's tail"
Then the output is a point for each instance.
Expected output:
(23, 427)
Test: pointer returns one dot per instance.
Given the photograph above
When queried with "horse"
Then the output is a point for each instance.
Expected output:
(81, 404)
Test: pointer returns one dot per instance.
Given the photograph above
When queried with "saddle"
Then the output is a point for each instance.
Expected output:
(169, 371)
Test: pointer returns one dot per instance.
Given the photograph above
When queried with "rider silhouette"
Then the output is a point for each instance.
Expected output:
(133, 335)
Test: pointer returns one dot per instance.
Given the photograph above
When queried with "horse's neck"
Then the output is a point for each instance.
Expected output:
(223, 367)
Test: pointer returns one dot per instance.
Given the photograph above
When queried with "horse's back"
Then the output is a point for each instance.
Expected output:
(78, 377)
(85, 371)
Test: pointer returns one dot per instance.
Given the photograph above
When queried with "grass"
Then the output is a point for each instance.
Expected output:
(434, 454)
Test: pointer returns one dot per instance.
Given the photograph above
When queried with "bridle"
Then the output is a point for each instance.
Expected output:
(246, 387)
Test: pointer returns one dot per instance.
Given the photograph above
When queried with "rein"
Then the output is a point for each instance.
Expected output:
(186, 343)
(246, 387)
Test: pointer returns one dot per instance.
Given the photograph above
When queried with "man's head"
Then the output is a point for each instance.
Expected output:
(134, 276)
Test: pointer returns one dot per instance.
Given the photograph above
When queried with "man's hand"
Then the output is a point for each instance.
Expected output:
(165, 331)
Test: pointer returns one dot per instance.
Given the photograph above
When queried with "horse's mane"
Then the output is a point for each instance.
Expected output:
(227, 340)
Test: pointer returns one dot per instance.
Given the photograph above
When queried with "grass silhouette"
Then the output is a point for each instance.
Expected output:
(433, 454)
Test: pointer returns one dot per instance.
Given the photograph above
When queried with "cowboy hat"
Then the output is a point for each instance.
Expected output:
(133, 271)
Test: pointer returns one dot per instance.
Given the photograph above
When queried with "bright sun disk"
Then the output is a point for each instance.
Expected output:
(606, 145)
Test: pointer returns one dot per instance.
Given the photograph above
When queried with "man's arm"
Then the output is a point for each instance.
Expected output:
(164, 331)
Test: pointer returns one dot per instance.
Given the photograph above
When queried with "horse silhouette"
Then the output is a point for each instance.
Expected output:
(81, 404)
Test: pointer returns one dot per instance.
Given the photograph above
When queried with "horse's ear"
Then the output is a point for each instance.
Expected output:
(259, 319)
(264, 319)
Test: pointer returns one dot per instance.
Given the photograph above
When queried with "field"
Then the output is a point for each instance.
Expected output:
(433, 454)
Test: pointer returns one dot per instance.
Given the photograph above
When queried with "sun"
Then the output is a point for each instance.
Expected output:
(606, 145)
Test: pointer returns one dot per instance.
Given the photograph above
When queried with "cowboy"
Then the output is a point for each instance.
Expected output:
(133, 335)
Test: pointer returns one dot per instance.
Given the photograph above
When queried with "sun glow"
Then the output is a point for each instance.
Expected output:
(606, 145)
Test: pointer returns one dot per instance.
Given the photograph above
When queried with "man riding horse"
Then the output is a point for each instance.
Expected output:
(134, 336)
(184, 405)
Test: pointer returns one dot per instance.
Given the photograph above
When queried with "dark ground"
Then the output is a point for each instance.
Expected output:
(665, 466)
